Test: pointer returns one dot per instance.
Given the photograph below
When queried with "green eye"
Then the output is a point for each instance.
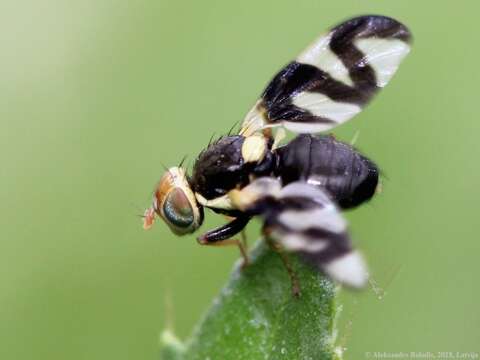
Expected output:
(177, 209)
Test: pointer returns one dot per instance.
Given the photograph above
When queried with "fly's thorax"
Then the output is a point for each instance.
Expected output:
(174, 201)
(227, 164)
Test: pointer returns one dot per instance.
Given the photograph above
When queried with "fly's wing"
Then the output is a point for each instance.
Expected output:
(303, 219)
(333, 79)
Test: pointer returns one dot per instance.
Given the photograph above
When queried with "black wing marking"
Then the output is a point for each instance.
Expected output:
(334, 78)
(303, 219)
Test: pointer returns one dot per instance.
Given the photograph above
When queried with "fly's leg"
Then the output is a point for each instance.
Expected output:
(221, 236)
(243, 247)
(288, 266)
(229, 242)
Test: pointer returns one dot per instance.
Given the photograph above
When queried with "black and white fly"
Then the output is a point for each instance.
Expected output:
(299, 188)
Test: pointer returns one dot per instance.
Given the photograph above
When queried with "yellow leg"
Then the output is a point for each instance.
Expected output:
(230, 242)
(242, 246)
(291, 273)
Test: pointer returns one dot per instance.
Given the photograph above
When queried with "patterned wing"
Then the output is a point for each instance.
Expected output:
(334, 78)
(303, 219)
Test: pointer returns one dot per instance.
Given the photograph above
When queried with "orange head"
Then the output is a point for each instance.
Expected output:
(175, 202)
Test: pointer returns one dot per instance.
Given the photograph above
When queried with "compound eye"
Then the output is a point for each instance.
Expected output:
(178, 211)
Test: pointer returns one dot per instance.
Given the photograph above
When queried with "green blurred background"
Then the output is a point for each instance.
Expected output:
(95, 95)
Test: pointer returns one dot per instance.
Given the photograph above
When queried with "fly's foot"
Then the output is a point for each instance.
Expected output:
(295, 288)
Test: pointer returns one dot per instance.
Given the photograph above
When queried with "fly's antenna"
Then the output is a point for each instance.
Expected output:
(138, 210)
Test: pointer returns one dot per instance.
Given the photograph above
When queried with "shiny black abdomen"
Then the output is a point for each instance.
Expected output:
(349, 177)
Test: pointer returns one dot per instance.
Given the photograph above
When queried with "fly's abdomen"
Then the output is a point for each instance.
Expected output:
(348, 176)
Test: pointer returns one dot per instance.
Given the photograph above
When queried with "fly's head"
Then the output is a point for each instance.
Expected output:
(175, 202)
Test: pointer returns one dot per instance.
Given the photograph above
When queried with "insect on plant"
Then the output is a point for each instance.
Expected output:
(300, 188)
